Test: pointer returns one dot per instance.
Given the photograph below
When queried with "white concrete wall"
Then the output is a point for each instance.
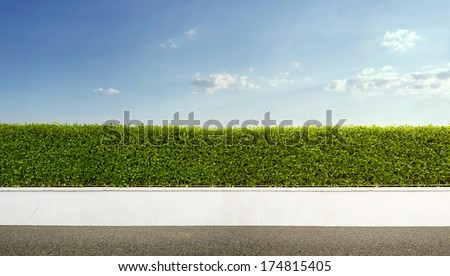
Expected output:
(226, 206)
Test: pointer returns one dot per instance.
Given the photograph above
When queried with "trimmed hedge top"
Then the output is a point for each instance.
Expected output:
(99, 155)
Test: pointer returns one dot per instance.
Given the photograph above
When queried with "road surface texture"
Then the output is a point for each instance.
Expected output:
(211, 240)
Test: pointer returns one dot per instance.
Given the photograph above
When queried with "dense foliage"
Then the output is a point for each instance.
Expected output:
(96, 155)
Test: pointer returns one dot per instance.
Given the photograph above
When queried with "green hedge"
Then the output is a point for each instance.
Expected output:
(96, 155)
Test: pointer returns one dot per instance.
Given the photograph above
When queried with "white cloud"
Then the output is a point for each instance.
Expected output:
(191, 32)
(371, 81)
(174, 43)
(171, 43)
(106, 91)
(221, 81)
(281, 79)
(295, 64)
(245, 84)
(400, 40)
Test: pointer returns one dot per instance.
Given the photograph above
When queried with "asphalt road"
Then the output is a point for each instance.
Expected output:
(160, 241)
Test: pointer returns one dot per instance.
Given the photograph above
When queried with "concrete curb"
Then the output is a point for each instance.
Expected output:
(226, 206)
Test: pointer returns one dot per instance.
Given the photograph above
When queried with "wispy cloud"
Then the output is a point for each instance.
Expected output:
(106, 91)
(295, 64)
(281, 79)
(221, 81)
(370, 81)
(171, 43)
(400, 40)
(191, 32)
(174, 43)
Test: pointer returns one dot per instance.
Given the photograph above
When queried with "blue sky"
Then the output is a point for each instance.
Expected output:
(371, 62)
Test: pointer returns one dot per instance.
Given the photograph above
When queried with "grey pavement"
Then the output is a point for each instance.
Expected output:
(223, 240)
